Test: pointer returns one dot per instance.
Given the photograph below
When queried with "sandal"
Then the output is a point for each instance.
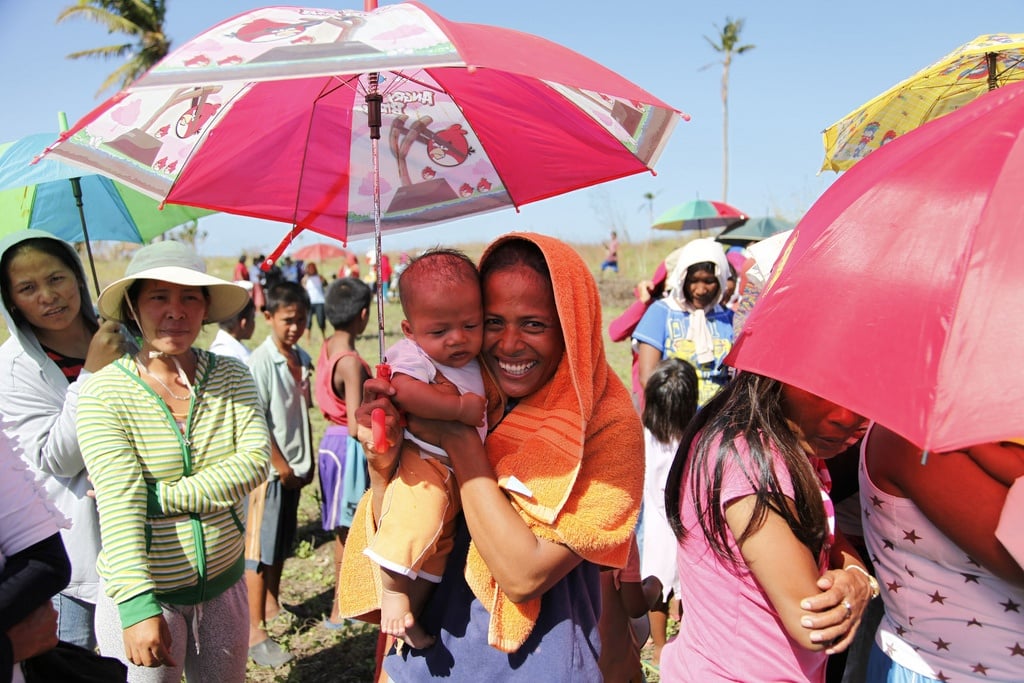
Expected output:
(269, 653)
(338, 625)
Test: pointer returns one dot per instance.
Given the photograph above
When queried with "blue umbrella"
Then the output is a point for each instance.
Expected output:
(74, 205)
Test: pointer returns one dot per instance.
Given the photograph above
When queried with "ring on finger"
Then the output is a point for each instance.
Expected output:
(849, 608)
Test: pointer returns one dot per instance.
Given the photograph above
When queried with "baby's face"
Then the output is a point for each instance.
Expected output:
(446, 321)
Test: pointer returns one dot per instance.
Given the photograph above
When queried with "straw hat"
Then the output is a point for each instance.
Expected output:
(179, 264)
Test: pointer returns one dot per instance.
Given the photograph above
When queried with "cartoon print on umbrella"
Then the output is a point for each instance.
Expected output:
(469, 113)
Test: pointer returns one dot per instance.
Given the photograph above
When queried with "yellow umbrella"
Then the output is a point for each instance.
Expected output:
(986, 62)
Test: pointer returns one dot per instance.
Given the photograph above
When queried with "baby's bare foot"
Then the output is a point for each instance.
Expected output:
(396, 619)
(406, 629)
(415, 636)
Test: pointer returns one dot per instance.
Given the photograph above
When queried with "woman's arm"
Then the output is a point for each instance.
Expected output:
(523, 565)
(844, 592)
(30, 578)
(1003, 461)
(42, 423)
(953, 492)
(782, 565)
(648, 358)
(33, 635)
(120, 494)
(377, 395)
(42, 418)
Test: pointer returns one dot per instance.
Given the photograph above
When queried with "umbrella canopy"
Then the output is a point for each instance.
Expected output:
(321, 251)
(971, 70)
(475, 118)
(93, 207)
(754, 230)
(897, 295)
(699, 214)
(277, 113)
(39, 196)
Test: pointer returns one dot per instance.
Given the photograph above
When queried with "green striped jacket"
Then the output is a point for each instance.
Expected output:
(171, 504)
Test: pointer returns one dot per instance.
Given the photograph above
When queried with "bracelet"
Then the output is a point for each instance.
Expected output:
(876, 590)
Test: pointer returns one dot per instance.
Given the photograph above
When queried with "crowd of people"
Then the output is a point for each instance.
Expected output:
(499, 502)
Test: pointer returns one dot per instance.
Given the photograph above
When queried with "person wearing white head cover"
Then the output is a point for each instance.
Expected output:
(689, 323)
(174, 439)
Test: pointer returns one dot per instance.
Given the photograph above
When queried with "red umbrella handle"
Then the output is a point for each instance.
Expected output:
(377, 417)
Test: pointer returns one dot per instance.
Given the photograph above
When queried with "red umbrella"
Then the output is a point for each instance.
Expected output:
(276, 113)
(899, 295)
(321, 251)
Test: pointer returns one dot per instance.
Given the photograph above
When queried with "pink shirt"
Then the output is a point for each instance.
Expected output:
(730, 631)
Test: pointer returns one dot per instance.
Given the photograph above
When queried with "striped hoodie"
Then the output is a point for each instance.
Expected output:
(171, 504)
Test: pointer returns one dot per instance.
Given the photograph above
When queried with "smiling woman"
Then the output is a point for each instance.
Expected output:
(549, 497)
(174, 439)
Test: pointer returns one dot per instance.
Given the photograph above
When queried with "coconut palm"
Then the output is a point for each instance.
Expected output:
(728, 45)
(141, 21)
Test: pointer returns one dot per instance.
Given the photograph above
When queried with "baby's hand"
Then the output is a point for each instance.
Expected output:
(472, 409)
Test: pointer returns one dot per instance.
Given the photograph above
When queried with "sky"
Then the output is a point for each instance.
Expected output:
(813, 62)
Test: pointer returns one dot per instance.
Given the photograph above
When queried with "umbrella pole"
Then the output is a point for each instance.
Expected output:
(373, 117)
(76, 190)
(990, 60)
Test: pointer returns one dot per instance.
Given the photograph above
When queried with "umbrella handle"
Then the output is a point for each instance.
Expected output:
(377, 417)
(380, 441)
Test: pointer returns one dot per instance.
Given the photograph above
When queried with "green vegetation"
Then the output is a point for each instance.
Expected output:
(140, 21)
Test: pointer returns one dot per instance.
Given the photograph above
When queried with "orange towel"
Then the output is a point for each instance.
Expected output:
(576, 446)
(359, 581)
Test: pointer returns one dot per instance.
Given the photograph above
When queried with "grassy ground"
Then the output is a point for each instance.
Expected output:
(307, 583)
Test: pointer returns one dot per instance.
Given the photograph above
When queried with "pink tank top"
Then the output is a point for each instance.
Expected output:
(332, 405)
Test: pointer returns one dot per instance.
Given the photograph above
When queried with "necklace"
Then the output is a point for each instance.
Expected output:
(186, 397)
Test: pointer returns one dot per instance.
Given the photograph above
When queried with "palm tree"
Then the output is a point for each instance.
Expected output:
(728, 45)
(141, 21)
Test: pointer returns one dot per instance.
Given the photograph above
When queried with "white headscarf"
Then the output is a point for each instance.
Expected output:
(699, 331)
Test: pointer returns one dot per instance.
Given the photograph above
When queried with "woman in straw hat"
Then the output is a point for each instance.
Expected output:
(174, 439)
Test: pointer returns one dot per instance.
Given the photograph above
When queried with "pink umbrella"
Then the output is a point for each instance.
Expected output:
(898, 295)
(276, 113)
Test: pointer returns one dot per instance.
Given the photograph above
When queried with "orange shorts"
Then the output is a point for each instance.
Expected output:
(417, 521)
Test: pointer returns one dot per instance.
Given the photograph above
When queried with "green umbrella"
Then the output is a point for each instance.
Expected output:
(754, 230)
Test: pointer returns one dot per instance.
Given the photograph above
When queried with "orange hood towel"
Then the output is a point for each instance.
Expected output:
(570, 456)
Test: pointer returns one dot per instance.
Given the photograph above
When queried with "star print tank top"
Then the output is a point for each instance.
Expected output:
(946, 617)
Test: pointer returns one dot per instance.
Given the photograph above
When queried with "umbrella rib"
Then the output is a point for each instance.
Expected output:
(1012, 62)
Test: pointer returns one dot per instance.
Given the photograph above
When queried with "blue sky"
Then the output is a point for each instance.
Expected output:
(813, 62)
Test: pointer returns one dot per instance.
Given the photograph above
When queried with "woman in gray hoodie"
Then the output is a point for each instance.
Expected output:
(56, 342)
